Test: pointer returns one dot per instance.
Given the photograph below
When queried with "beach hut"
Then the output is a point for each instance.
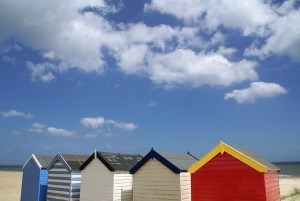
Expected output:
(106, 177)
(162, 176)
(35, 178)
(65, 177)
(232, 174)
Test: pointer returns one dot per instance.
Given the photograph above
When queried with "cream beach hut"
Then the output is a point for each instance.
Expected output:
(162, 176)
(106, 177)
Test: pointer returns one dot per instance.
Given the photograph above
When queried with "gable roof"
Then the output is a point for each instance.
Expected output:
(114, 161)
(42, 161)
(244, 155)
(174, 161)
(71, 162)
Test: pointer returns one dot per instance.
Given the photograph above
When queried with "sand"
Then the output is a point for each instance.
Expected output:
(287, 185)
(10, 186)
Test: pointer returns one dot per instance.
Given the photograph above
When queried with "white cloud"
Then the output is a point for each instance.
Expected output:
(99, 122)
(60, 132)
(93, 122)
(255, 91)
(15, 113)
(122, 125)
(68, 35)
(49, 55)
(41, 71)
(196, 69)
(37, 128)
(249, 16)
(59, 27)
(276, 24)
(284, 39)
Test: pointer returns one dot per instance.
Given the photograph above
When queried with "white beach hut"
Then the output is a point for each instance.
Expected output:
(162, 176)
(106, 177)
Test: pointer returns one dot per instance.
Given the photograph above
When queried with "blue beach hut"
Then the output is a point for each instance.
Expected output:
(35, 178)
(65, 177)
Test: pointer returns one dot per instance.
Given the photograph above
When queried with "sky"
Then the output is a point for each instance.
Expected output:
(128, 75)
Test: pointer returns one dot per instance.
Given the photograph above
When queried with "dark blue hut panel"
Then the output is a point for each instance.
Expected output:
(30, 182)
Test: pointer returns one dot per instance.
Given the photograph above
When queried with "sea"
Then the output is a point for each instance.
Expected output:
(287, 168)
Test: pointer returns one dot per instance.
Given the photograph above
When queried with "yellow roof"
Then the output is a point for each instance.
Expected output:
(245, 156)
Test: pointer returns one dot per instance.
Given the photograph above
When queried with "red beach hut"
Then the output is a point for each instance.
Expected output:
(231, 174)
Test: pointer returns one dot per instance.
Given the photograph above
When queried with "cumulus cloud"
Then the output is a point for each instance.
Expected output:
(60, 132)
(247, 16)
(41, 71)
(37, 128)
(73, 34)
(99, 122)
(284, 40)
(58, 27)
(15, 113)
(256, 91)
(92, 122)
(275, 24)
(196, 69)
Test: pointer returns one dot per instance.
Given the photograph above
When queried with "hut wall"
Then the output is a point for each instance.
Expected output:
(226, 178)
(96, 182)
(272, 186)
(43, 184)
(122, 187)
(154, 181)
(185, 186)
(59, 180)
(75, 185)
(30, 182)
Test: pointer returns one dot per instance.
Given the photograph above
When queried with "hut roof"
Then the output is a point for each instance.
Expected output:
(42, 161)
(72, 162)
(244, 155)
(114, 161)
(174, 161)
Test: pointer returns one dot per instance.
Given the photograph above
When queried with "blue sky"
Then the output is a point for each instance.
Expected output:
(125, 76)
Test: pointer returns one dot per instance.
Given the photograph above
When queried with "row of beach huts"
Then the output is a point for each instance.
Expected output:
(224, 174)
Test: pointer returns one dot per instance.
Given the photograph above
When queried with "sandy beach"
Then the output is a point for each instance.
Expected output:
(10, 186)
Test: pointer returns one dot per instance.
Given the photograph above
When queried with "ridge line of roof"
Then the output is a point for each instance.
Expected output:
(248, 157)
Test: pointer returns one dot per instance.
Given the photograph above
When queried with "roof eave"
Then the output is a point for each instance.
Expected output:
(221, 148)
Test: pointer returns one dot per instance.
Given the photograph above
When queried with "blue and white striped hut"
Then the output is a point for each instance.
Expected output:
(35, 178)
(65, 177)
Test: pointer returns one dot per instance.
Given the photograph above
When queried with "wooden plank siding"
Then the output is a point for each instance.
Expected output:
(272, 186)
(43, 184)
(122, 187)
(185, 186)
(30, 182)
(97, 182)
(155, 182)
(59, 183)
(226, 178)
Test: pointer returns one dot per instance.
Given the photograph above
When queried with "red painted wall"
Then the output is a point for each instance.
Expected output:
(272, 186)
(224, 178)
